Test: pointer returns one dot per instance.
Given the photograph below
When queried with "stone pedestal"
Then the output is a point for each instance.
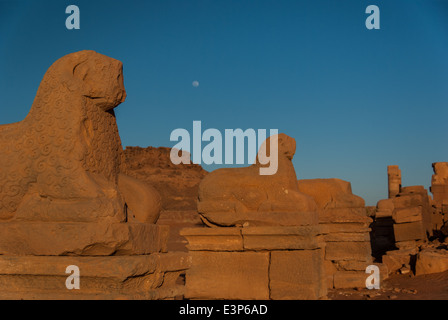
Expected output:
(115, 261)
(154, 276)
(345, 228)
(255, 263)
(348, 249)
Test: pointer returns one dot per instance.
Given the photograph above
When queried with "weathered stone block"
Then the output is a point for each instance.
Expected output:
(297, 275)
(213, 239)
(409, 231)
(410, 214)
(360, 251)
(347, 237)
(327, 228)
(344, 215)
(354, 265)
(350, 279)
(151, 276)
(228, 275)
(431, 261)
(79, 238)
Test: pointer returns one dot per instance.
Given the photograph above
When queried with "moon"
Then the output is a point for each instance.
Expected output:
(195, 83)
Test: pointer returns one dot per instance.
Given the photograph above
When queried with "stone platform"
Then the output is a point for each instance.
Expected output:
(255, 263)
(81, 238)
(115, 261)
(154, 276)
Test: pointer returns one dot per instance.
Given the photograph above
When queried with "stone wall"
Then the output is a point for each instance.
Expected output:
(345, 227)
(252, 263)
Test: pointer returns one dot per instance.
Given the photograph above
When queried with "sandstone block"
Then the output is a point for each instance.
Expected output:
(297, 275)
(409, 200)
(347, 237)
(344, 215)
(328, 228)
(330, 193)
(251, 195)
(350, 279)
(396, 259)
(407, 245)
(228, 275)
(383, 213)
(409, 231)
(72, 238)
(41, 277)
(354, 265)
(213, 239)
(410, 214)
(360, 251)
(431, 261)
(63, 161)
(386, 205)
(282, 238)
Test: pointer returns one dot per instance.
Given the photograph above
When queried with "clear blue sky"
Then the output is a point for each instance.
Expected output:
(355, 100)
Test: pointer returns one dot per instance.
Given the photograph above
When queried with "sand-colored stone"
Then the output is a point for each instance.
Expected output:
(78, 238)
(62, 162)
(132, 277)
(431, 261)
(439, 189)
(213, 239)
(344, 223)
(143, 202)
(350, 279)
(409, 200)
(394, 180)
(228, 275)
(440, 175)
(280, 262)
(348, 251)
(282, 238)
(177, 183)
(344, 228)
(396, 259)
(347, 237)
(65, 198)
(409, 231)
(294, 274)
(344, 215)
(385, 208)
(354, 265)
(330, 193)
(410, 214)
(237, 196)
(329, 269)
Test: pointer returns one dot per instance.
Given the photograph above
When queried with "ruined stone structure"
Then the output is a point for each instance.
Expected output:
(409, 211)
(394, 180)
(64, 199)
(439, 189)
(345, 228)
(264, 240)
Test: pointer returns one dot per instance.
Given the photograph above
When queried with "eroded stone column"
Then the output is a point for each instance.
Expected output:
(394, 180)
